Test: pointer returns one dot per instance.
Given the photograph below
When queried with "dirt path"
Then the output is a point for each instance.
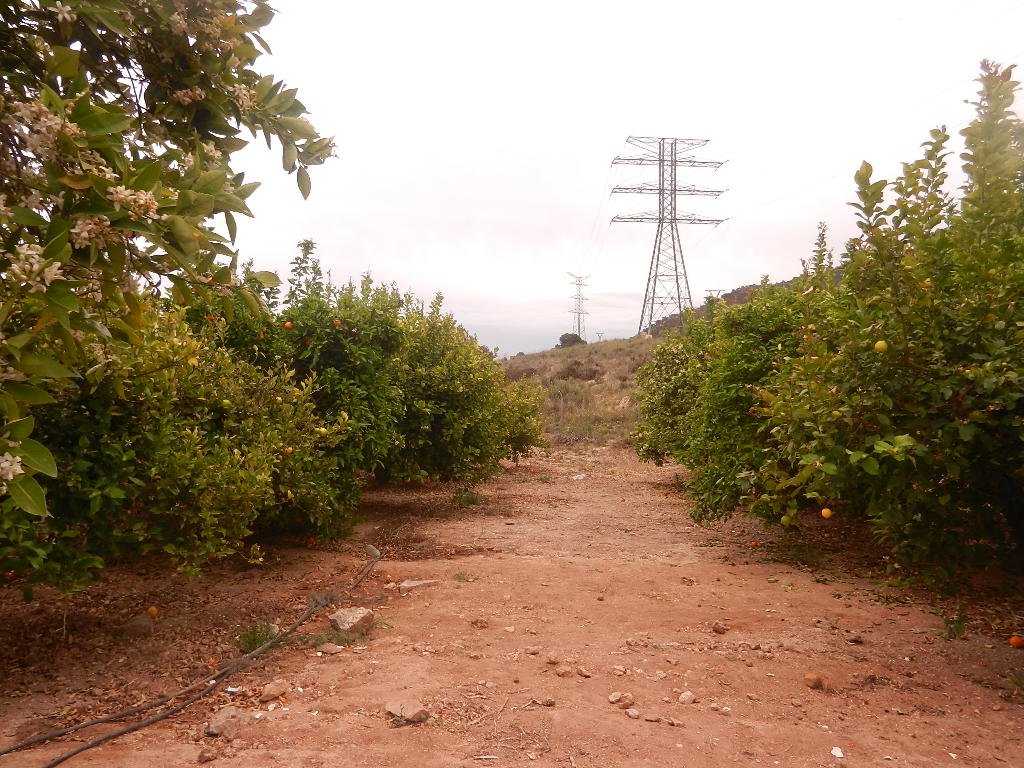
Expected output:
(577, 578)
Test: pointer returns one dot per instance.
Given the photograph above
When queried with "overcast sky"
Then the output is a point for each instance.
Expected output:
(475, 139)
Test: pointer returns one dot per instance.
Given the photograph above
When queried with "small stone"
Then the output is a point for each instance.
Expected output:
(224, 722)
(274, 689)
(330, 648)
(671, 721)
(659, 675)
(652, 718)
(626, 701)
(489, 684)
(531, 650)
(407, 711)
(480, 623)
(632, 713)
(476, 655)
(687, 697)
(583, 672)
(600, 597)
(206, 755)
(547, 701)
(510, 629)
(724, 710)
(719, 628)
(553, 658)
(563, 671)
(352, 619)
(409, 585)
(615, 697)
(619, 671)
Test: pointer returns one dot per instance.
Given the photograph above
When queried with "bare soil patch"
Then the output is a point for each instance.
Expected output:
(578, 577)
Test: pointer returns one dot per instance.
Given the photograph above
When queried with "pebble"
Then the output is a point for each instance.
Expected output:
(687, 697)
(531, 650)
(652, 718)
(626, 701)
(330, 648)
(206, 755)
(553, 658)
(583, 672)
(547, 701)
(480, 623)
(615, 697)
(510, 629)
(719, 628)
(617, 670)
(352, 619)
(274, 689)
(475, 655)
(224, 722)
(632, 713)
(563, 671)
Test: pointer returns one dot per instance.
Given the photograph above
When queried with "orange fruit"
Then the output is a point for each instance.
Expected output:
(826, 513)
(153, 611)
(881, 346)
(288, 325)
(1017, 641)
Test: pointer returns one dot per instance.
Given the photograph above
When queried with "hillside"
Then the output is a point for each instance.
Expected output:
(589, 387)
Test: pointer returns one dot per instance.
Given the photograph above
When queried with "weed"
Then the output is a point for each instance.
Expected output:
(260, 633)
(463, 576)
(467, 497)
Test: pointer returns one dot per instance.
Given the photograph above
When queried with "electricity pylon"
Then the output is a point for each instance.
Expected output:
(577, 309)
(668, 287)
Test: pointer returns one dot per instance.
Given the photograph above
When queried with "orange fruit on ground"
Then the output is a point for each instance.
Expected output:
(1017, 641)
(826, 513)
(153, 611)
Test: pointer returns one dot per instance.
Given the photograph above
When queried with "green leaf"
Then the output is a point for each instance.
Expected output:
(267, 279)
(229, 220)
(184, 233)
(302, 179)
(36, 455)
(297, 126)
(26, 393)
(870, 465)
(27, 217)
(63, 62)
(43, 365)
(28, 495)
(20, 429)
(211, 182)
(289, 154)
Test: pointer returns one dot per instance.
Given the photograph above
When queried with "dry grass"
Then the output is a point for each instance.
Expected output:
(590, 387)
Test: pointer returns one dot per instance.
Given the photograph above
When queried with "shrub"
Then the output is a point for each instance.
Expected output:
(908, 408)
(174, 447)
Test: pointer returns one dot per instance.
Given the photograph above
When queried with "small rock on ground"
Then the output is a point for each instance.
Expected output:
(206, 755)
(687, 697)
(224, 722)
(352, 619)
(633, 714)
(330, 648)
(719, 628)
(563, 671)
(274, 689)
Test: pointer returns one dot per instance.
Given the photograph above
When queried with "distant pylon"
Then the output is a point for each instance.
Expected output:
(577, 308)
(668, 287)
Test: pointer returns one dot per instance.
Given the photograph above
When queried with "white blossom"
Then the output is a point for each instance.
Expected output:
(10, 466)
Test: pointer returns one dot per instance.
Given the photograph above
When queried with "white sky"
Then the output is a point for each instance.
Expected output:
(475, 139)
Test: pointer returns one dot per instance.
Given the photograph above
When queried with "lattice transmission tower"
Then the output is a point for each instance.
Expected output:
(579, 326)
(668, 287)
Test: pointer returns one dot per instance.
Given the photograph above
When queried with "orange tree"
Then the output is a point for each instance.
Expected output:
(907, 406)
(118, 119)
